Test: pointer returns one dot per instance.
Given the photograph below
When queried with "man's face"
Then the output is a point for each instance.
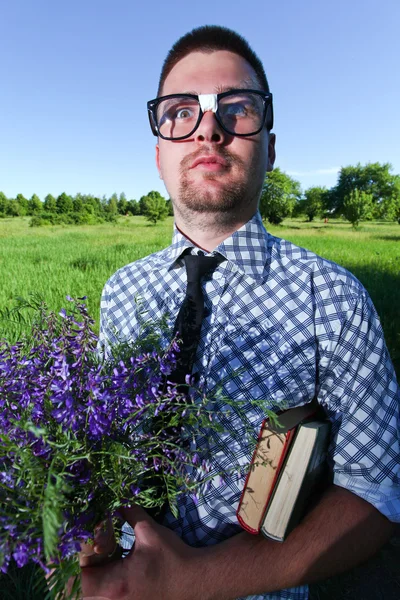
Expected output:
(229, 185)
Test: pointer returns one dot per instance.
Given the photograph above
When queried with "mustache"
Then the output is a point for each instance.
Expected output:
(231, 159)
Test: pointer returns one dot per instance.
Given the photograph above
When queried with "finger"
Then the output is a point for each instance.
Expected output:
(100, 559)
(86, 550)
(104, 539)
(90, 560)
(104, 547)
(136, 515)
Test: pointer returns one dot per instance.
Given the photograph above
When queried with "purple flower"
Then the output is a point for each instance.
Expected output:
(5, 560)
(6, 479)
(83, 435)
(69, 548)
(21, 554)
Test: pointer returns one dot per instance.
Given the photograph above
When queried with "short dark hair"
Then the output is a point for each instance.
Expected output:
(207, 39)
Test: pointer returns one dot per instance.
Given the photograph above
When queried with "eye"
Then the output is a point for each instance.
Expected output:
(184, 113)
(235, 109)
(177, 110)
(238, 106)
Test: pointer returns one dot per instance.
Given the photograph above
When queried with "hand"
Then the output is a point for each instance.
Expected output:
(104, 548)
(159, 567)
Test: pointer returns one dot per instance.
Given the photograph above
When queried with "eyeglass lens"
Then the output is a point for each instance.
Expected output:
(239, 113)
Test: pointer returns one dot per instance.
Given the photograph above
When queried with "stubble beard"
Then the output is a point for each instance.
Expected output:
(225, 206)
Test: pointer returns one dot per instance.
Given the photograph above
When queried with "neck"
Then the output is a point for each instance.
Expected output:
(207, 231)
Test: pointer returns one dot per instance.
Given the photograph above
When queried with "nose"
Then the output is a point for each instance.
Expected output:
(209, 129)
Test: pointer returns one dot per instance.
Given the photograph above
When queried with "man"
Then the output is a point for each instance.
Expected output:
(297, 326)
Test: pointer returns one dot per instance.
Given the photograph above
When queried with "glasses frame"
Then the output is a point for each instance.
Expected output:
(268, 116)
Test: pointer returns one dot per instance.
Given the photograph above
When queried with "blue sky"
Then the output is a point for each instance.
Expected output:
(75, 77)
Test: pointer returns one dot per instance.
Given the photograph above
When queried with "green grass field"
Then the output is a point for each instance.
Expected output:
(56, 261)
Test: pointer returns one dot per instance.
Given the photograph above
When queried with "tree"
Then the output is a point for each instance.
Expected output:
(14, 208)
(64, 204)
(93, 204)
(156, 209)
(111, 208)
(50, 204)
(143, 205)
(77, 204)
(153, 194)
(133, 207)
(373, 178)
(394, 213)
(113, 198)
(22, 205)
(3, 204)
(122, 204)
(170, 207)
(144, 201)
(388, 207)
(35, 205)
(314, 202)
(279, 196)
(358, 206)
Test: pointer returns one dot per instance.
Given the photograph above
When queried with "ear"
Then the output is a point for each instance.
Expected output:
(158, 161)
(271, 151)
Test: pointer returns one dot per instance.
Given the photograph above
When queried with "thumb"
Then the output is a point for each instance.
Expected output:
(136, 515)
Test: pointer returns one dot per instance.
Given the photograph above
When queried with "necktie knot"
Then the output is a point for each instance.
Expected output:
(198, 265)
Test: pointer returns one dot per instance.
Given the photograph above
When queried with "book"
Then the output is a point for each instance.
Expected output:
(273, 443)
(264, 468)
(303, 469)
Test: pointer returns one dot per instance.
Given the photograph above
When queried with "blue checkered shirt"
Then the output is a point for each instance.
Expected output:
(296, 326)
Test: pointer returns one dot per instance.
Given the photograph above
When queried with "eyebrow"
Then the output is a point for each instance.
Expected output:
(220, 89)
(242, 85)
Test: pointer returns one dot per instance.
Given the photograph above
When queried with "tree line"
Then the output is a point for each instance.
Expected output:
(83, 209)
(362, 192)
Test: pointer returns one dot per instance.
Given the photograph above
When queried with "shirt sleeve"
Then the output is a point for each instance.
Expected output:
(358, 388)
(107, 335)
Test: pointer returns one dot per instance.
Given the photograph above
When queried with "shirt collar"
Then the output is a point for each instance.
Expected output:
(246, 249)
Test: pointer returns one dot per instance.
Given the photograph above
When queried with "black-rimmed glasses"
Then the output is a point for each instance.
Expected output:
(238, 112)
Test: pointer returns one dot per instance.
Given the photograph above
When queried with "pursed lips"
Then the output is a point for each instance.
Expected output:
(210, 162)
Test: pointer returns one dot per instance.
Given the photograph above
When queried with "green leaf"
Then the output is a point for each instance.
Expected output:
(52, 517)
(67, 572)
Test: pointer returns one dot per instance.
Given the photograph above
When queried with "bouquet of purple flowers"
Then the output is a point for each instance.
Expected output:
(82, 435)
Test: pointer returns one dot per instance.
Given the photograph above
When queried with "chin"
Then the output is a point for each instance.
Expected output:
(202, 200)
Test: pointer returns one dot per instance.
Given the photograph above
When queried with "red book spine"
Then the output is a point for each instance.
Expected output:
(285, 448)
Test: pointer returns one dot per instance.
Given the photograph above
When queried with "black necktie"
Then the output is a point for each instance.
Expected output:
(187, 327)
(188, 322)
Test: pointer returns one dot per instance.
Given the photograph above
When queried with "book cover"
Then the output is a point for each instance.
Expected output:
(264, 468)
(303, 468)
(273, 444)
